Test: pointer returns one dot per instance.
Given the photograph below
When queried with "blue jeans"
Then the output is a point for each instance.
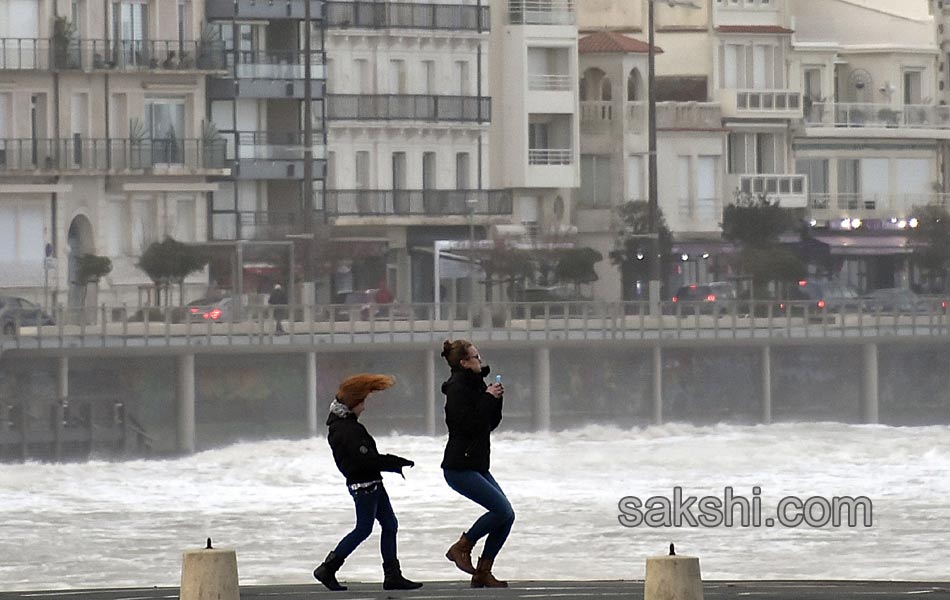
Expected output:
(372, 504)
(482, 489)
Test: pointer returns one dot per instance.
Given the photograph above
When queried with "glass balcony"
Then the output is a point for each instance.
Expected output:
(425, 203)
(407, 15)
(908, 116)
(541, 12)
(399, 107)
(39, 156)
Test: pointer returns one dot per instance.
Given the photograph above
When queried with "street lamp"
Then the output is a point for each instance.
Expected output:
(471, 202)
(653, 213)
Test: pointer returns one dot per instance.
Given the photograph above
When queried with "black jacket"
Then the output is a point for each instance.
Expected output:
(354, 451)
(471, 414)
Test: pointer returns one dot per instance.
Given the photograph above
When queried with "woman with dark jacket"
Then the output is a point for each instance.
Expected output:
(472, 412)
(355, 454)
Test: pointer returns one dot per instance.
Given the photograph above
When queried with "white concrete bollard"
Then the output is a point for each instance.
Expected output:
(672, 578)
(209, 574)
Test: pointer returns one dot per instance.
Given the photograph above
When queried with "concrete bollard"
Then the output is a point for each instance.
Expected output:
(209, 574)
(672, 578)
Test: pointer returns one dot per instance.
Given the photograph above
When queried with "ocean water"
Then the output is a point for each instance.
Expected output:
(282, 506)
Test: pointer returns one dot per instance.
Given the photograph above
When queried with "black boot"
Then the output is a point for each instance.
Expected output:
(393, 579)
(326, 573)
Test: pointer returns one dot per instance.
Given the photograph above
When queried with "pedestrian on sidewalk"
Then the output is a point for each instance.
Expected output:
(355, 454)
(472, 412)
(278, 299)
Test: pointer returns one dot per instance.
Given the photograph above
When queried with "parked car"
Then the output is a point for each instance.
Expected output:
(718, 297)
(19, 312)
(817, 295)
(895, 300)
(211, 309)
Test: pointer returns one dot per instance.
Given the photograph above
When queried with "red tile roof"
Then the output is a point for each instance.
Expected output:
(608, 42)
(753, 29)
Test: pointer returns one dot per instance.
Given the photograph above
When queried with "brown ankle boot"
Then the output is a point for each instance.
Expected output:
(484, 578)
(461, 554)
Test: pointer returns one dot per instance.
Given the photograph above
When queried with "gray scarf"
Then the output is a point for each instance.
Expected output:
(340, 409)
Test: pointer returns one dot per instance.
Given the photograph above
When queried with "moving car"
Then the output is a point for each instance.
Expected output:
(215, 310)
(18, 312)
(895, 300)
(817, 295)
(718, 297)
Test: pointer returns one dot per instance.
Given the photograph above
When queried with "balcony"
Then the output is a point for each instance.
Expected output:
(24, 54)
(878, 116)
(597, 116)
(761, 104)
(541, 12)
(264, 155)
(84, 155)
(549, 83)
(144, 55)
(699, 214)
(869, 205)
(416, 203)
(790, 191)
(550, 156)
(261, 9)
(407, 15)
(408, 107)
(269, 74)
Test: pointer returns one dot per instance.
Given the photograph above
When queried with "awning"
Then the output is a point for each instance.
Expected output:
(700, 247)
(850, 245)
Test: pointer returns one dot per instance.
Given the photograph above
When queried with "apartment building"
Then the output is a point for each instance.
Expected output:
(408, 110)
(837, 122)
(262, 212)
(102, 145)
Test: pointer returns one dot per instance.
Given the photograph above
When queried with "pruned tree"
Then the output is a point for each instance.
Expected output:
(931, 239)
(632, 245)
(755, 223)
(169, 262)
(576, 266)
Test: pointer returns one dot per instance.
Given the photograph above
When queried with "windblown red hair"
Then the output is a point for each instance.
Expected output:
(355, 389)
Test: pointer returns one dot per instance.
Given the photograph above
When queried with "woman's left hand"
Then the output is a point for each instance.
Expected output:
(496, 390)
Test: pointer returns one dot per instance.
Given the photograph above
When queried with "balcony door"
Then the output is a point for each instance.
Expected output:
(130, 32)
(165, 127)
(400, 197)
(4, 128)
(19, 30)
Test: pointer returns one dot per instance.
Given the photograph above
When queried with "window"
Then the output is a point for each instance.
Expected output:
(399, 170)
(130, 32)
(912, 87)
(364, 82)
(683, 180)
(331, 171)
(538, 136)
(707, 190)
(143, 224)
(428, 69)
(21, 231)
(635, 178)
(461, 77)
(462, 166)
(596, 176)
(4, 126)
(76, 16)
(184, 22)
(362, 170)
(428, 171)
(397, 77)
(165, 127)
(116, 227)
(817, 172)
(185, 220)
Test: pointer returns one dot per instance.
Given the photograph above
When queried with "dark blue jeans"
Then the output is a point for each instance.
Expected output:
(482, 489)
(372, 504)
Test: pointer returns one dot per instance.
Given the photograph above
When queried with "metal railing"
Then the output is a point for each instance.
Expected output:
(550, 156)
(267, 145)
(148, 55)
(274, 64)
(121, 327)
(431, 203)
(414, 107)
(100, 155)
(407, 15)
(541, 12)
(24, 54)
(908, 116)
(768, 100)
(545, 82)
(860, 201)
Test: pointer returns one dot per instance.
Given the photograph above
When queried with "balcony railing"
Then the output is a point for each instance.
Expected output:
(275, 64)
(691, 115)
(550, 156)
(261, 9)
(789, 190)
(910, 116)
(768, 100)
(24, 54)
(701, 210)
(145, 55)
(100, 155)
(854, 204)
(596, 114)
(547, 82)
(406, 15)
(541, 12)
(427, 203)
(259, 145)
(408, 107)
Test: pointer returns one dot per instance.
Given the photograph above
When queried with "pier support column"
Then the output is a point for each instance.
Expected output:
(311, 395)
(62, 381)
(766, 385)
(657, 386)
(869, 389)
(430, 392)
(542, 389)
(185, 392)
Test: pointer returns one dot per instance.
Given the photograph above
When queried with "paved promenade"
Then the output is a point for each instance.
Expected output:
(561, 590)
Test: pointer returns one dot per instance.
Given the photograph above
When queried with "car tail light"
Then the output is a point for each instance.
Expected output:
(711, 298)
(802, 283)
(675, 299)
(194, 310)
(215, 314)
(693, 286)
(781, 306)
(943, 304)
(821, 304)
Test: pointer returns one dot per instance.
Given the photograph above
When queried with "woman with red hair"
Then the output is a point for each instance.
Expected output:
(355, 454)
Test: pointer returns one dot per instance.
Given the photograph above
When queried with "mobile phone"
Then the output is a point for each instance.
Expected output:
(497, 378)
